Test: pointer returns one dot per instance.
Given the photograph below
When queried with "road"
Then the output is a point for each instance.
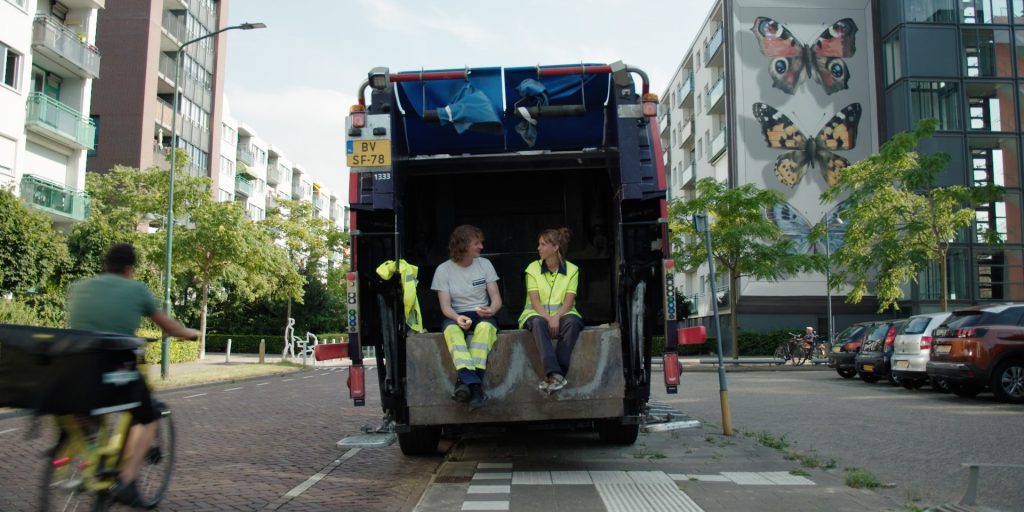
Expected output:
(915, 439)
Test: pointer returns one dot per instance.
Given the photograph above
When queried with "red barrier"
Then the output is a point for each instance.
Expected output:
(692, 335)
(328, 351)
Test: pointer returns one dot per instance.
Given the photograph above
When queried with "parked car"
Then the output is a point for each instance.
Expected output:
(981, 347)
(872, 361)
(845, 348)
(910, 352)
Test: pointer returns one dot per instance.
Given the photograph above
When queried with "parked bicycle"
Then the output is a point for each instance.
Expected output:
(88, 382)
(791, 350)
(817, 349)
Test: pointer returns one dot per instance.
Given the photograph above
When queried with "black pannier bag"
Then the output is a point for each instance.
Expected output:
(67, 371)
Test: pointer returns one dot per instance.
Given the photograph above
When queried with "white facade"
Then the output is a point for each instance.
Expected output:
(251, 178)
(225, 182)
(49, 62)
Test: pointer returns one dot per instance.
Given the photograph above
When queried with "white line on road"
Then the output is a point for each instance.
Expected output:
(262, 383)
(309, 376)
(8, 430)
(286, 380)
(193, 396)
(232, 389)
(311, 481)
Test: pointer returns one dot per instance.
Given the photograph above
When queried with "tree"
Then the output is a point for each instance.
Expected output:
(30, 249)
(899, 221)
(743, 241)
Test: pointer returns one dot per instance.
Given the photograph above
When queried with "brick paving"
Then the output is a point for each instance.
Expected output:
(244, 449)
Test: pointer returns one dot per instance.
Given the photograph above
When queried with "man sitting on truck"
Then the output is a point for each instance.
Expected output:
(467, 288)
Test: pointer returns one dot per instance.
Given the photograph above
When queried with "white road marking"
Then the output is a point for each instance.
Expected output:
(232, 389)
(193, 396)
(309, 376)
(492, 476)
(494, 465)
(262, 383)
(485, 505)
(311, 481)
(286, 380)
(8, 430)
(490, 489)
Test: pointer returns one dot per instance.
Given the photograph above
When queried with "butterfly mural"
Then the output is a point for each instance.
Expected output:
(797, 228)
(792, 62)
(838, 134)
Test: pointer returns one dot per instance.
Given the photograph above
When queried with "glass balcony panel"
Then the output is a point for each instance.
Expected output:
(50, 117)
(55, 199)
(714, 97)
(246, 156)
(66, 47)
(711, 52)
(718, 144)
(243, 186)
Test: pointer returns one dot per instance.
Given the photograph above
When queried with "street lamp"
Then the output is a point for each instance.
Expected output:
(828, 269)
(166, 348)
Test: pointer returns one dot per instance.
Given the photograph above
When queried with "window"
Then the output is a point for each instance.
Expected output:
(227, 168)
(935, 99)
(990, 107)
(957, 277)
(1018, 11)
(984, 11)
(7, 149)
(95, 136)
(986, 51)
(993, 161)
(11, 66)
(700, 147)
(893, 60)
(931, 11)
(1000, 275)
(224, 196)
(230, 135)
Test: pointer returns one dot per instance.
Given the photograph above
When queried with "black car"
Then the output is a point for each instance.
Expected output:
(874, 361)
(845, 348)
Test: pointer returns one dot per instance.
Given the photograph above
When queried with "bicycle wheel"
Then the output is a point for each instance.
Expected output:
(780, 355)
(799, 354)
(158, 465)
(63, 482)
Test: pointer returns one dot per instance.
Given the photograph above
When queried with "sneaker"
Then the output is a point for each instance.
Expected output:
(127, 494)
(462, 393)
(543, 386)
(556, 382)
(478, 398)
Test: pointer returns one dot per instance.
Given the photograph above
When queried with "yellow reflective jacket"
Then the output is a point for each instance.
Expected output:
(552, 294)
(413, 316)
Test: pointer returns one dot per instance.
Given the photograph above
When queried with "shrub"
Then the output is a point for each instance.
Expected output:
(16, 312)
(182, 351)
(250, 343)
(751, 343)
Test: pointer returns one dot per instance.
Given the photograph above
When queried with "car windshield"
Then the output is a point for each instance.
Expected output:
(916, 325)
(961, 319)
(876, 338)
(851, 332)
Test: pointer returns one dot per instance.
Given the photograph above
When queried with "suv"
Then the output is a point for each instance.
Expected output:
(845, 348)
(913, 344)
(872, 362)
(980, 347)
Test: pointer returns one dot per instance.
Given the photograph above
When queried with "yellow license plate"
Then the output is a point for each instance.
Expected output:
(868, 368)
(836, 348)
(368, 153)
(903, 364)
(943, 349)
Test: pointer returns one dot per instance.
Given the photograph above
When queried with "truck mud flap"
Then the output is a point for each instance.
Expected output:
(596, 384)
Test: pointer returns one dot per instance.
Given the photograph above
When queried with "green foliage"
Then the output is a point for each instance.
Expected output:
(250, 343)
(751, 343)
(30, 249)
(17, 312)
(743, 241)
(899, 221)
(182, 351)
(862, 479)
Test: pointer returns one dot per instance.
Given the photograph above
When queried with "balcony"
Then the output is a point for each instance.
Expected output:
(274, 175)
(60, 202)
(691, 175)
(686, 90)
(319, 204)
(712, 54)
(243, 187)
(713, 103)
(718, 145)
(65, 47)
(174, 31)
(161, 154)
(165, 116)
(686, 135)
(84, 4)
(246, 156)
(57, 121)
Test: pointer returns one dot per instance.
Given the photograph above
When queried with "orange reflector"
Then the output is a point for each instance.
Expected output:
(650, 104)
(350, 276)
(61, 461)
(357, 108)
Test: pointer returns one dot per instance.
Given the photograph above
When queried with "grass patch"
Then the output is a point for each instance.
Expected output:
(811, 461)
(218, 372)
(767, 439)
(799, 472)
(862, 479)
(912, 507)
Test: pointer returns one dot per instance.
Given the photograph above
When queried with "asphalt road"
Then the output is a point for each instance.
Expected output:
(914, 439)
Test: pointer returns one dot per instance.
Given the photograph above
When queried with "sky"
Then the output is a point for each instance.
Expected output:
(293, 82)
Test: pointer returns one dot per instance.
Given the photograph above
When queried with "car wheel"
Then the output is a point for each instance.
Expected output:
(846, 373)
(965, 390)
(911, 383)
(870, 378)
(1008, 382)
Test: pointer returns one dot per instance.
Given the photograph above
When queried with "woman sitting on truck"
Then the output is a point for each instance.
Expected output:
(550, 306)
(467, 288)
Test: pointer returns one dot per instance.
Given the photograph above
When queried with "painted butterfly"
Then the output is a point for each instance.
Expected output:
(839, 133)
(796, 227)
(792, 62)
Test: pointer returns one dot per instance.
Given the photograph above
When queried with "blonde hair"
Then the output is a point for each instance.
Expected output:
(559, 237)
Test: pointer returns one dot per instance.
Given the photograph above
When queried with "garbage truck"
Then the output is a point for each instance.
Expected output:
(512, 151)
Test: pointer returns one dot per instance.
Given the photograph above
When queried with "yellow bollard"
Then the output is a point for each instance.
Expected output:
(726, 417)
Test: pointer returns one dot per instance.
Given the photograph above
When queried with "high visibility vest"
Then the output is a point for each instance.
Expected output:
(408, 272)
(552, 293)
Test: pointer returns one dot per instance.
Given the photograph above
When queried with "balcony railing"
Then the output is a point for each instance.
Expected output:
(243, 186)
(50, 117)
(715, 94)
(691, 175)
(173, 26)
(274, 174)
(54, 198)
(66, 47)
(714, 44)
(687, 133)
(718, 144)
(686, 90)
(167, 67)
(246, 156)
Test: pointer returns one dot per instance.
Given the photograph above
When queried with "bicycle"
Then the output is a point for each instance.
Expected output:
(89, 382)
(817, 348)
(791, 350)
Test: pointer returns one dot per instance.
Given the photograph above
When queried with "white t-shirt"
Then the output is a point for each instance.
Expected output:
(467, 286)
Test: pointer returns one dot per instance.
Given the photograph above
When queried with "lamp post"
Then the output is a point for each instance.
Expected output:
(828, 273)
(166, 349)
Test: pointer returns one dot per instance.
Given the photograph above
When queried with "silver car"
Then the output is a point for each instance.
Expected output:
(910, 351)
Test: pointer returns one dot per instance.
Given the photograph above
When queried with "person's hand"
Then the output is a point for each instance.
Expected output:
(464, 322)
(191, 334)
(553, 326)
(485, 312)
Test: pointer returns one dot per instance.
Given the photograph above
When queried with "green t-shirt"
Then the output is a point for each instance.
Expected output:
(109, 303)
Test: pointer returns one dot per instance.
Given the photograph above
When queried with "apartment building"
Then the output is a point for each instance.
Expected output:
(226, 167)
(279, 177)
(50, 59)
(251, 172)
(133, 102)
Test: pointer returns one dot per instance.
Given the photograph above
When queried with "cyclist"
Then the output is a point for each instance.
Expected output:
(115, 302)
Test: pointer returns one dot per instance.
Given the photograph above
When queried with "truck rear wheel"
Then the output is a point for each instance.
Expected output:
(614, 432)
(420, 440)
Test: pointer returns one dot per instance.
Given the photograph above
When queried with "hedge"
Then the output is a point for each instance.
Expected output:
(182, 351)
(751, 343)
(250, 343)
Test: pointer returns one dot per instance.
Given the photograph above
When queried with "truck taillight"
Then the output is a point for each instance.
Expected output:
(650, 104)
(358, 115)
(926, 342)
